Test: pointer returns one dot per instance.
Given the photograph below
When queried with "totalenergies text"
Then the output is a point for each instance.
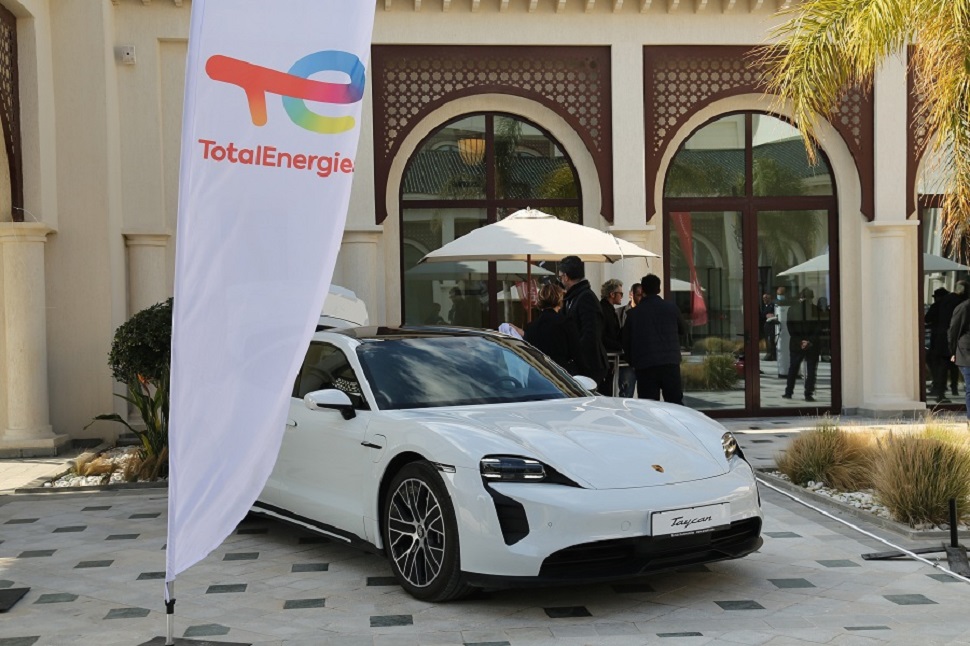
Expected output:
(322, 165)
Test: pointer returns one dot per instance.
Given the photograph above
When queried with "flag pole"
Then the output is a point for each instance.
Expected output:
(170, 613)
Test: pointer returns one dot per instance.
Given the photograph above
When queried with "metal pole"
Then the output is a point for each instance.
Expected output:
(953, 523)
(170, 613)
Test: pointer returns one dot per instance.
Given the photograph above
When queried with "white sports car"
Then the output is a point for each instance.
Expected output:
(471, 460)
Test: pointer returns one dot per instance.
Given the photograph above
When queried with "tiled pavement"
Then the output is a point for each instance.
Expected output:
(93, 562)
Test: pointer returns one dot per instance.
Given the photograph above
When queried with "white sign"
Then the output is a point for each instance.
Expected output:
(691, 520)
(269, 140)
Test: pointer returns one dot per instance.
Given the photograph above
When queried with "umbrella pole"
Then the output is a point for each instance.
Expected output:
(528, 288)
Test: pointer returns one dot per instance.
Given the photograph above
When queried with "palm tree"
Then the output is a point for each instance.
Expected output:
(827, 46)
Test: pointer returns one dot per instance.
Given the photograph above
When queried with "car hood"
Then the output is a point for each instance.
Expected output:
(600, 442)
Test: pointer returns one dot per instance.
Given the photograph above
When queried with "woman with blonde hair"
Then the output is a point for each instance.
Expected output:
(550, 332)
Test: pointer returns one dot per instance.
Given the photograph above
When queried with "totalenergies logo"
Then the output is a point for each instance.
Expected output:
(296, 87)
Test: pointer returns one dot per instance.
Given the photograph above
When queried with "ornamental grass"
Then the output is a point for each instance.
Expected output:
(837, 458)
(916, 475)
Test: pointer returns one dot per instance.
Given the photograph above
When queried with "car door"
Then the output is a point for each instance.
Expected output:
(318, 474)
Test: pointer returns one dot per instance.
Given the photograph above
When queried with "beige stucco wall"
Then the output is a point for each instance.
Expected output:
(101, 148)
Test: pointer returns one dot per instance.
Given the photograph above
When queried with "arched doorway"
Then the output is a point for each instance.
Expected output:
(472, 171)
(751, 255)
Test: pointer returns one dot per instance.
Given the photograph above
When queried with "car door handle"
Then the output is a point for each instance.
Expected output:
(371, 445)
(291, 423)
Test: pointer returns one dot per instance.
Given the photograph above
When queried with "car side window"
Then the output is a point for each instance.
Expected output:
(325, 366)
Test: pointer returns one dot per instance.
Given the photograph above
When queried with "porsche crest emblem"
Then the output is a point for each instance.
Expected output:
(658, 468)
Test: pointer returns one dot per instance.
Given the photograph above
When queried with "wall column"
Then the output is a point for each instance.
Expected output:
(147, 270)
(25, 428)
(359, 254)
(890, 320)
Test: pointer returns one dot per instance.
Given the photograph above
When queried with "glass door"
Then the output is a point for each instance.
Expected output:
(706, 281)
(797, 297)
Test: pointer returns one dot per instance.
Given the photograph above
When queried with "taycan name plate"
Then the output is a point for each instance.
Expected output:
(691, 520)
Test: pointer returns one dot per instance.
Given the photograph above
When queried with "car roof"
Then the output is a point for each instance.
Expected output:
(376, 333)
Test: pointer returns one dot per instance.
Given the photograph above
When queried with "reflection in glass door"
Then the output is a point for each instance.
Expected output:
(795, 319)
(707, 283)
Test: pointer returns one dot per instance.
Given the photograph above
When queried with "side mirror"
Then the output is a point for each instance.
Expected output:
(331, 399)
(586, 382)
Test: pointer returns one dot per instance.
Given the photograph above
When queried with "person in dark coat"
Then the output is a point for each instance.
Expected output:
(611, 296)
(651, 340)
(582, 310)
(804, 343)
(957, 296)
(549, 331)
(959, 340)
(937, 320)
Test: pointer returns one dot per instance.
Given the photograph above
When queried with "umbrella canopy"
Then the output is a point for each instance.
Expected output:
(532, 235)
(474, 270)
(820, 263)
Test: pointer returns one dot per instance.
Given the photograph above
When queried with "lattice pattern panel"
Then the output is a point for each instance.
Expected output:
(679, 81)
(918, 137)
(10, 107)
(412, 81)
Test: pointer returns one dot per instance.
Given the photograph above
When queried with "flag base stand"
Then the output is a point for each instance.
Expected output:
(956, 554)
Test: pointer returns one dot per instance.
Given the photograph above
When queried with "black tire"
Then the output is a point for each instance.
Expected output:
(421, 535)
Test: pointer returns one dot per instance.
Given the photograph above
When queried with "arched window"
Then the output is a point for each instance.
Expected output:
(470, 172)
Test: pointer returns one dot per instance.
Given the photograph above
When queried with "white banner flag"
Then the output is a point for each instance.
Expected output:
(269, 137)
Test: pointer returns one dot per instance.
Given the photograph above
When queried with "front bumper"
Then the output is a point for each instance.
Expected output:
(587, 534)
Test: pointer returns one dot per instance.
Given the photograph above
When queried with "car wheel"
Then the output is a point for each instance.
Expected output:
(421, 535)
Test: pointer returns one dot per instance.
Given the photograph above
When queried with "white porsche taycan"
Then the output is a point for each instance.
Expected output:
(471, 460)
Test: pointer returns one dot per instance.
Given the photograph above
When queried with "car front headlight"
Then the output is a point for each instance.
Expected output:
(730, 445)
(514, 468)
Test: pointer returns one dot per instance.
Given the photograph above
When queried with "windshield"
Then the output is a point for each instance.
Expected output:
(423, 372)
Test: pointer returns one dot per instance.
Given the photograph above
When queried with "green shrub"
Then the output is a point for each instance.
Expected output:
(915, 477)
(140, 358)
(716, 372)
(828, 454)
(715, 345)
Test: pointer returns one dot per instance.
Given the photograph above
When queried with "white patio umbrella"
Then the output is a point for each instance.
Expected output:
(473, 270)
(532, 235)
(820, 263)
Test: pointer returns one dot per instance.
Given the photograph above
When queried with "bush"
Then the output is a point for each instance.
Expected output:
(716, 345)
(915, 477)
(716, 372)
(828, 454)
(140, 358)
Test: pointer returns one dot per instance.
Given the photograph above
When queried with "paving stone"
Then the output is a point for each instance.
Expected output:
(241, 556)
(687, 634)
(97, 508)
(59, 597)
(487, 644)
(567, 611)
(18, 641)
(857, 628)
(127, 613)
(838, 563)
(227, 587)
(909, 599)
(137, 516)
(89, 564)
(383, 621)
(792, 583)
(33, 554)
(295, 604)
(782, 534)
(206, 630)
(151, 576)
(21, 521)
(746, 604)
(310, 567)
(944, 578)
(4, 583)
(122, 537)
(381, 580)
(70, 530)
(9, 597)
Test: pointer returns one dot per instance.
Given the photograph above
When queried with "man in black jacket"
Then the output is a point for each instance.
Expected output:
(651, 339)
(804, 343)
(582, 310)
(959, 338)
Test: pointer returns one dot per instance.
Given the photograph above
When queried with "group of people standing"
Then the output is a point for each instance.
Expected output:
(577, 330)
(941, 349)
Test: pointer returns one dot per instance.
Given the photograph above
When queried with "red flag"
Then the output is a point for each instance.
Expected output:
(698, 308)
(528, 293)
